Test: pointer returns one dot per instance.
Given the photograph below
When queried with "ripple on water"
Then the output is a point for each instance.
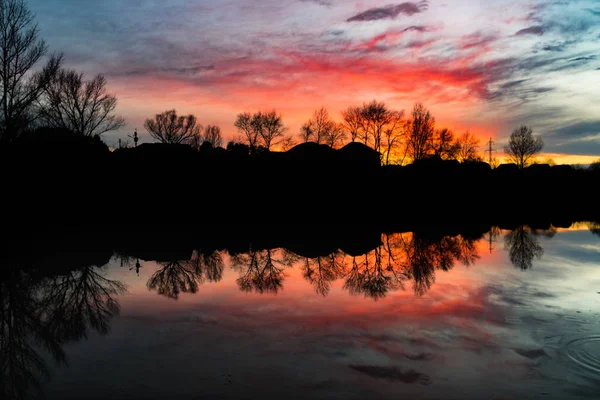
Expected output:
(583, 354)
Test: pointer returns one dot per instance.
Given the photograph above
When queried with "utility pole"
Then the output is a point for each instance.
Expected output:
(491, 149)
(135, 138)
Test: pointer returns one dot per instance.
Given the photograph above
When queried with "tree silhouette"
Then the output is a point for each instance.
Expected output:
(523, 247)
(168, 127)
(83, 107)
(467, 147)
(393, 136)
(322, 271)
(44, 313)
(261, 129)
(21, 327)
(211, 136)
(174, 278)
(80, 299)
(260, 271)
(523, 146)
(353, 122)
(20, 50)
(443, 144)
(318, 128)
(420, 132)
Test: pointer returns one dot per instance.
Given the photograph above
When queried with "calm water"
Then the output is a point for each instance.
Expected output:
(512, 315)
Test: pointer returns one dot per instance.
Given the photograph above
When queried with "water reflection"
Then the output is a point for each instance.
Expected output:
(523, 245)
(176, 277)
(401, 260)
(262, 271)
(39, 314)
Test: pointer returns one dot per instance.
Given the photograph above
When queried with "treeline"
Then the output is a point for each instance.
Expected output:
(56, 103)
(397, 138)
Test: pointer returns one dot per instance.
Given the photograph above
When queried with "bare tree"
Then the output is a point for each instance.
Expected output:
(393, 136)
(250, 135)
(420, 133)
(444, 146)
(20, 50)
(264, 128)
(168, 127)
(318, 128)
(212, 135)
(376, 116)
(468, 147)
(523, 146)
(336, 136)
(287, 143)
(84, 107)
(352, 121)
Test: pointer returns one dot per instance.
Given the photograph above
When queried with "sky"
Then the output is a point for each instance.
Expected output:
(486, 66)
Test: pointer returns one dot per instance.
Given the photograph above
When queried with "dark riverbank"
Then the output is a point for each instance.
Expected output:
(166, 188)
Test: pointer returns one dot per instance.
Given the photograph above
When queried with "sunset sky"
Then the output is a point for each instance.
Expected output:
(487, 65)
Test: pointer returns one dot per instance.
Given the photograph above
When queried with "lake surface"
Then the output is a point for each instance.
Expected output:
(514, 314)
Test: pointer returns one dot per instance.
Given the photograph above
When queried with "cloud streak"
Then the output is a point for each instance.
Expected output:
(390, 11)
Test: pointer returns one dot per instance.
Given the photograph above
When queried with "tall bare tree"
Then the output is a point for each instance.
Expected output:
(523, 146)
(444, 146)
(272, 128)
(468, 147)
(250, 135)
(318, 127)
(376, 116)
(393, 136)
(168, 127)
(335, 136)
(420, 133)
(84, 107)
(212, 135)
(352, 121)
(263, 128)
(20, 50)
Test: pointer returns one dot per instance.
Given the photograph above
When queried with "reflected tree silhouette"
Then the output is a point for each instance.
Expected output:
(378, 272)
(523, 246)
(177, 277)
(44, 313)
(174, 278)
(261, 271)
(78, 300)
(209, 264)
(423, 256)
(320, 272)
(400, 258)
(21, 366)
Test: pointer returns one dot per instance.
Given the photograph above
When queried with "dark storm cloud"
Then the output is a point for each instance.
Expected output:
(390, 11)
(556, 46)
(532, 30)
(578, 130)
(579, 59)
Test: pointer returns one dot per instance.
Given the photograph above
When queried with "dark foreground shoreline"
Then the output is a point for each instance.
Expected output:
(170, 196)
